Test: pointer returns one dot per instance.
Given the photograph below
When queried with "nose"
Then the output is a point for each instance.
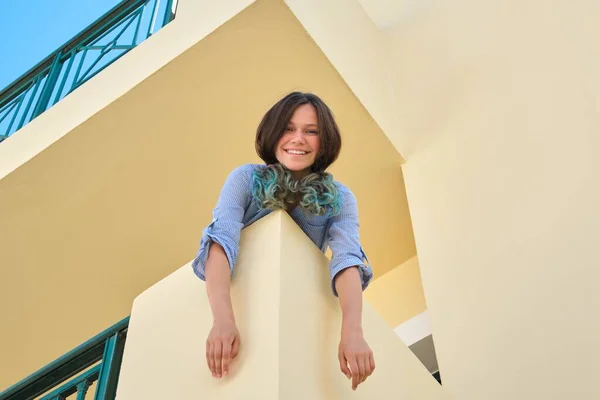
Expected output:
(298, 137)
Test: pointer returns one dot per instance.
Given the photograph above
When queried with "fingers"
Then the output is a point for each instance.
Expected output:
(372, 362)
(218, 356)
(235, 348)
(355, 372)
(344, 364)
(362, 371)
(227, 345)
(220, 352)
(210, 357)
(361, 365)
(369, 363)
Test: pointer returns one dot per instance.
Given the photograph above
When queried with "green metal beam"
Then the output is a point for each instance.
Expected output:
(65, 367)
(21, 101)
(121, 8)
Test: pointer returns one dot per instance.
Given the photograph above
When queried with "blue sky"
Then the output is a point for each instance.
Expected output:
(32, 29)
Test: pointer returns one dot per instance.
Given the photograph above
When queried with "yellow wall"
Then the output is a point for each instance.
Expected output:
(398, 295)
(289, 328)
(120, 201)
(504, 192)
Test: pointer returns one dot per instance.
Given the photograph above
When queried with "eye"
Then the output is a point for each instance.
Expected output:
(313, 132)
(289, 129)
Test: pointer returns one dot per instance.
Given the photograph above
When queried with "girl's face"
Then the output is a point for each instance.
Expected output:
(299, 146)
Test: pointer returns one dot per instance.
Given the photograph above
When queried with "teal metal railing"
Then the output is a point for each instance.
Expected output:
(96, 361)
(115, 33)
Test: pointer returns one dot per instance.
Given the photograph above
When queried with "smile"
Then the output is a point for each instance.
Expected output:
(296, 152)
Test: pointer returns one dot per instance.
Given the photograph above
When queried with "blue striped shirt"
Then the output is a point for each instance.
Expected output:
(236, 210)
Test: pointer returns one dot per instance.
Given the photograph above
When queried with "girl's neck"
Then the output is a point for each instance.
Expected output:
(299, 175)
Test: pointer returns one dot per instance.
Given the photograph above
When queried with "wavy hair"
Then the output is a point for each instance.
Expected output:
(275, 188)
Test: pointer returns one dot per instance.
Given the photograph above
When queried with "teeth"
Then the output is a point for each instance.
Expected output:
(296, 152)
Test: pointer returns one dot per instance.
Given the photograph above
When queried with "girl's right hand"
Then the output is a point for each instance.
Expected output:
(222, 346)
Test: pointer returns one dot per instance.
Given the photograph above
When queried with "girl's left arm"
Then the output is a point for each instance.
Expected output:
(354, 354)
(350, 275)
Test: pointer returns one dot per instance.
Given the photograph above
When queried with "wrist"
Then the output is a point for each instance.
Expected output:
(223, 312)
(224, 319)
(352, 327)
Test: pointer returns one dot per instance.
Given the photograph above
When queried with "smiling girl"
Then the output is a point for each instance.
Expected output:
(298, 139)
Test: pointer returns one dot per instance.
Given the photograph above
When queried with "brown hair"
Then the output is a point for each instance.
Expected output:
(275, 121)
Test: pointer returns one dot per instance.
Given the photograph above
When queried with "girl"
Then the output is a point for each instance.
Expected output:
(298, 139)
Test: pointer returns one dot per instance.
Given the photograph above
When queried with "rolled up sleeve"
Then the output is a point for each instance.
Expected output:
(344, 241)
(227, 222)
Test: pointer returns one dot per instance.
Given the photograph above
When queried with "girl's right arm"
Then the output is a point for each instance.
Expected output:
(215, 263)
(223, 342)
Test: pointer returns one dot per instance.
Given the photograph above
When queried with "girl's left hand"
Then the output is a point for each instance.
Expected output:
(356, 358)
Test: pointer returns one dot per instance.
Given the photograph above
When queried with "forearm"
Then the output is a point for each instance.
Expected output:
(218, 283)
(349, 289)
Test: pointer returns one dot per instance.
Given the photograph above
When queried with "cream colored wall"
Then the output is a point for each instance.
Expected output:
(120, 201)
(289, 325)
(195, 20)
(398, 295)
(358, 50)
(504, 192)
(386, 13)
